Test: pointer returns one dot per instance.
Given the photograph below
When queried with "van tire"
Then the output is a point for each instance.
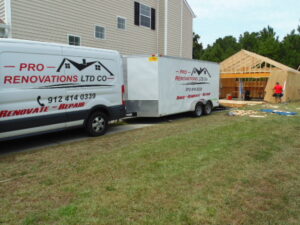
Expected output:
(207, 109)
(96, 124)
(198, 110)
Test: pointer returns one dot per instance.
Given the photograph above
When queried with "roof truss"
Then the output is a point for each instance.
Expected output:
(249, 62)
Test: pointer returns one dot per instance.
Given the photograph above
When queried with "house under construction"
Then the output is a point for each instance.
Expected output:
(252, 76)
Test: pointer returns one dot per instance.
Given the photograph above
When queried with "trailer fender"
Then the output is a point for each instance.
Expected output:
(194, 103)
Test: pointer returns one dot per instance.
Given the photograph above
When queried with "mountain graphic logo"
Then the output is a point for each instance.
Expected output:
(201, 71)
(81, 66)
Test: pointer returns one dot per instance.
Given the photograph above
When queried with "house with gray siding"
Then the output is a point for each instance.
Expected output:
(130, 26)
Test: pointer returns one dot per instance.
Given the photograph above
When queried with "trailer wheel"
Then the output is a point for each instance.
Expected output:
(96, 124)
(198, 110)
(208, 108)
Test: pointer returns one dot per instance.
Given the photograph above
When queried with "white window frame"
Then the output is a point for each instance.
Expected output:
(125, 22)
(80, 40)
(145, 16)
(98, 38)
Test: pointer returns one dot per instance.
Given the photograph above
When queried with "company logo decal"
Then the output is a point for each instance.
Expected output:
(196, 77)
(98, 75)
(200, 71)
(83, 65)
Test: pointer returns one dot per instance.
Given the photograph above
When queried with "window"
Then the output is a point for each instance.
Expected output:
(67, 65)
(121, 23)
(74, 40)
(97, 67)
(145, 15)
(100, 32)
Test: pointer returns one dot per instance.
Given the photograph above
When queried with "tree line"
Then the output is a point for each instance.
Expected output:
(264, 42)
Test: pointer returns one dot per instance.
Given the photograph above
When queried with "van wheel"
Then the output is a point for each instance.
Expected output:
(208, 108)
(198, 110)
(96, 124)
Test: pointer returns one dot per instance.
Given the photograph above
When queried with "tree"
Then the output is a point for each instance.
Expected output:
(290, 49)
(221, 49)
(268, 43)
(249, 41)
(197, 47)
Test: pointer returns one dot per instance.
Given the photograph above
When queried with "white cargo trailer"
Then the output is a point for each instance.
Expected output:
(160, 86)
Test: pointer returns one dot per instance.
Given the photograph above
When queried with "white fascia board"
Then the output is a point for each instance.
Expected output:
(190, 9)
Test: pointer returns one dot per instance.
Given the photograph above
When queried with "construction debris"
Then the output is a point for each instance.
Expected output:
(250, 113)
(239, 104)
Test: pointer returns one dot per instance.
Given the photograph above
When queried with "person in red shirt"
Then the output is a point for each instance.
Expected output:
(278, 92)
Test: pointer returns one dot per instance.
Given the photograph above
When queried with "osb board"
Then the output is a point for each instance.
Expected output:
(293, 87)
(291, 80)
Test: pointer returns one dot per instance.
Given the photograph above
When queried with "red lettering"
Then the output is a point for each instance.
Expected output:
(183, 71)
(40, 67)
(63, 79)
(23, 66)
(180, 97)
(25, 80)
(19, 112)
(31, 67)
(3, 113)
(70, 106)
(8, 79)
(33, 79)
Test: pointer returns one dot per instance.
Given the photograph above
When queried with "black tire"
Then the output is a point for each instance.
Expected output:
(207, 109)
(198, 110)
(97, 124)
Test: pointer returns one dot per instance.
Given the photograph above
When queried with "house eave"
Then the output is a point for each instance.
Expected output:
(190, 9)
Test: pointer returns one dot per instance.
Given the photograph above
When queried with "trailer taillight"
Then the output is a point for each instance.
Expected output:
(123, 94)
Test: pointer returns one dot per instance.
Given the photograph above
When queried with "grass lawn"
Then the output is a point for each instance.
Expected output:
(211, 170)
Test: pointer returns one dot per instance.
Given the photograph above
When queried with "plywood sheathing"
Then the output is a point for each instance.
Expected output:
(290, 82)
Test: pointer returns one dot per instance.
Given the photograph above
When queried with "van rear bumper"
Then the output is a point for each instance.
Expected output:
(117, 112)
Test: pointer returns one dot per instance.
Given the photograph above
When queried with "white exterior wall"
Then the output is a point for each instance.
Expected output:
(53, 20)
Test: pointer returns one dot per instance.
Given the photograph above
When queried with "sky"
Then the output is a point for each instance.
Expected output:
(220, 18)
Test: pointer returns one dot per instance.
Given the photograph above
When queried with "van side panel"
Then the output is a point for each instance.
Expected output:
(99, 78)
(49, 87)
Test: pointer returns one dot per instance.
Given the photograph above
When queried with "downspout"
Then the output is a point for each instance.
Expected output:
(8, 17)
(166, 29)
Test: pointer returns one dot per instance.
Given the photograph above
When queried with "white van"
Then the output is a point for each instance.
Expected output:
(49, 87)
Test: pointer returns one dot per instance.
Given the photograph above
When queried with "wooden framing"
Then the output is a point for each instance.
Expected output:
(245, 62)
(248, 72)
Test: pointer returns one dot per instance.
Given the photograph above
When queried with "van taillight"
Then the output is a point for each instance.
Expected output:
(123, 94)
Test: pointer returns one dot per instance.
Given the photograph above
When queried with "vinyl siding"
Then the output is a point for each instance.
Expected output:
(53, 20)
(2, 9)
(174, 27)
(187, 38)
